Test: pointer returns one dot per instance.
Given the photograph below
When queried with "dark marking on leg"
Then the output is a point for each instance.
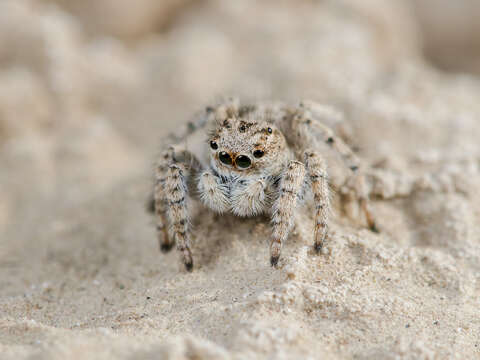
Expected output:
(274, 260)
(189, 266)
(318, 247)
(166, 247)
(176, 202)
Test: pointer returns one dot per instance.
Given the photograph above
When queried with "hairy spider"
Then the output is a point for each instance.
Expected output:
(260, 159)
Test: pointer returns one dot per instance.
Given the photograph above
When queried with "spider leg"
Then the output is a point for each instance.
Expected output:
(336, 143)
(284, 207)
(364, 201)
(176, 195)
(171, 191)
(160, 203)
(309, 131)
(353, 163)
(317, 173)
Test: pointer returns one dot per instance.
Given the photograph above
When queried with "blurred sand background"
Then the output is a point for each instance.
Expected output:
(89, 88)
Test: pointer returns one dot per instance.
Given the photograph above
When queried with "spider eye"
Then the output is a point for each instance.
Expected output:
(269, 130)
(258, 153)
(243, 161)
(213, 145)
(225, 158)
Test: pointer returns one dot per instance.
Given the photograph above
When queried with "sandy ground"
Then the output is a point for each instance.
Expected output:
(84, 105)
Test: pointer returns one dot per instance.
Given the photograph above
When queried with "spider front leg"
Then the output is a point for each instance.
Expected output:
(317, 173)
(176, 194)
(284, 207)
(170, 196)
(160, 202)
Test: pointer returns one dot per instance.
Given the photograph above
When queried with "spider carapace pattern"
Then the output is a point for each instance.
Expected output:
(259, 160)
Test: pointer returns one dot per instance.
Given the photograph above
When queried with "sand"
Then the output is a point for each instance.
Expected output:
(84, 106)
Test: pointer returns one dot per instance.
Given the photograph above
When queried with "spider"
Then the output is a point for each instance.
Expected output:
(260, 159)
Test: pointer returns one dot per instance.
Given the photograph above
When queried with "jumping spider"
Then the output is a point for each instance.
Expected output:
(262, 160)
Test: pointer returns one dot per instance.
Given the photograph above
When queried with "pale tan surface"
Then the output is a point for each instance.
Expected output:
(81, 117)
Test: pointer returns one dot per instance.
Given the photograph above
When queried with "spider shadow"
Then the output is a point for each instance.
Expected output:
(215, 235)
(218, 237)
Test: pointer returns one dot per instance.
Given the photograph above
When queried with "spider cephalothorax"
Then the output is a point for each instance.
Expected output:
(245, 155)
(260, 160)
(242, 147)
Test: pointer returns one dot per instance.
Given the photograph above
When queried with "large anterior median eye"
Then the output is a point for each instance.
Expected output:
(258, 153)
(243, 161)
(225, 158)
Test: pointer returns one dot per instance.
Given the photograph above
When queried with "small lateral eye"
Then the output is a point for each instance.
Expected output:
(330, 140)
(258, 153)
(213, 145)
(269, 130)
